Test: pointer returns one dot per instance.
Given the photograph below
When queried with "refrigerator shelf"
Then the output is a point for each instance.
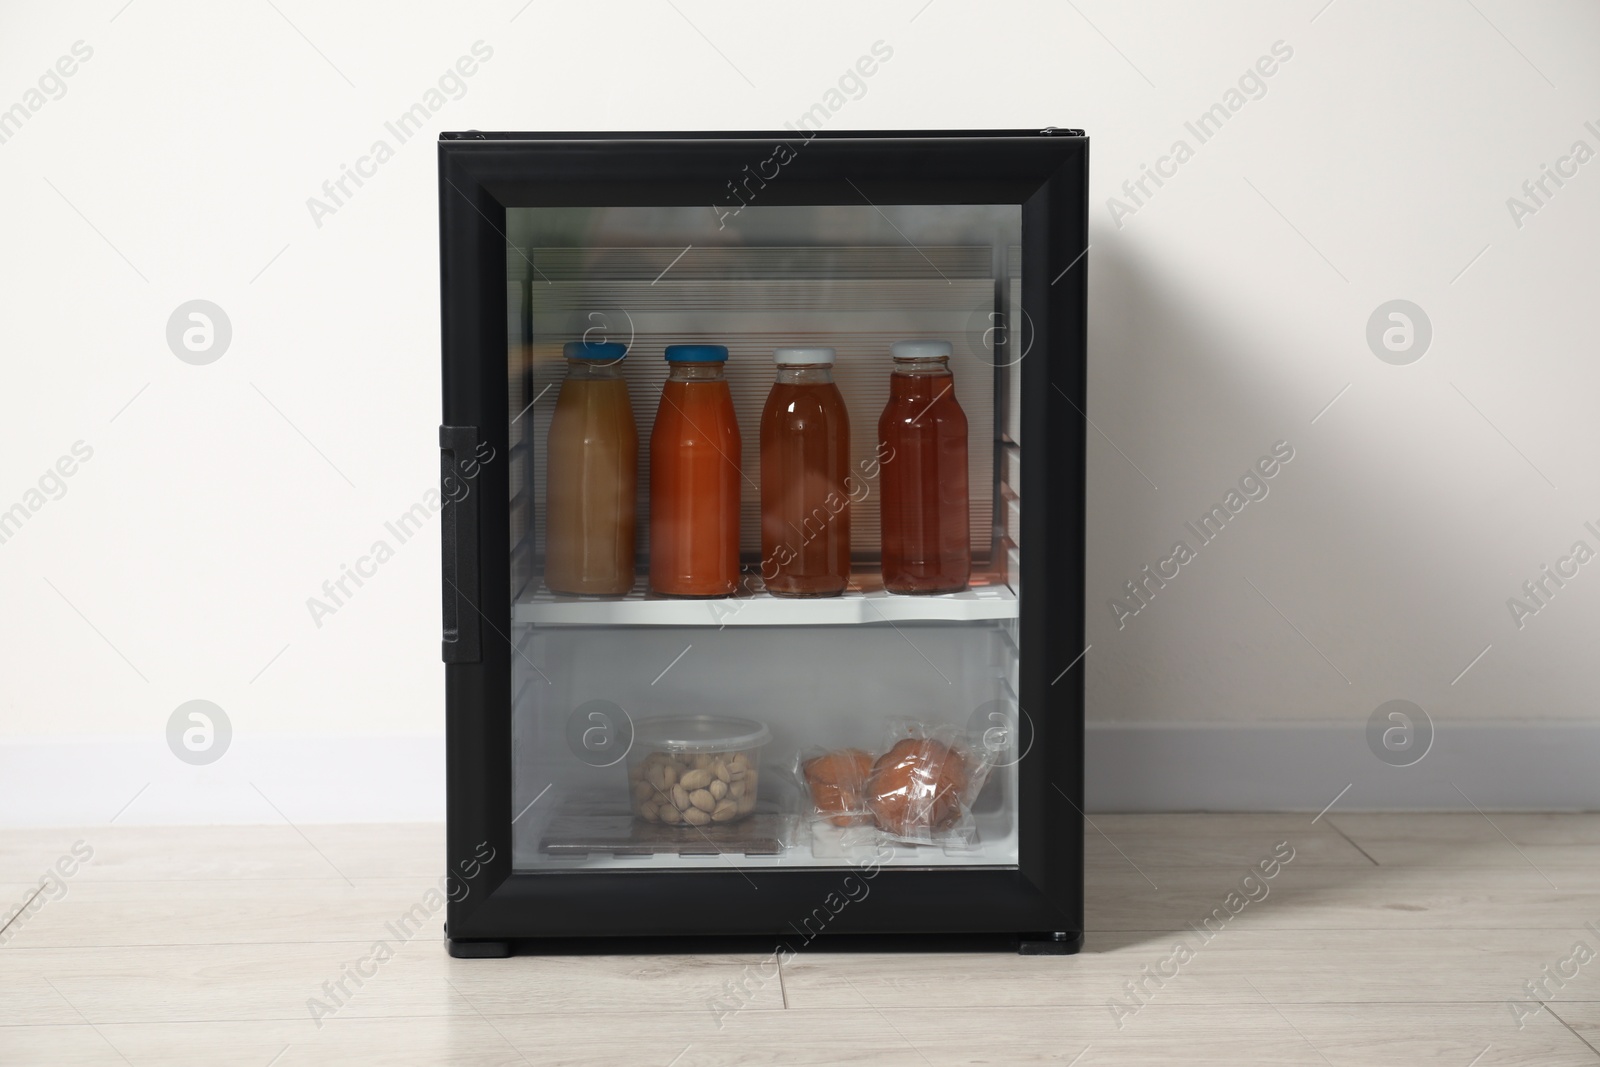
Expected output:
(855, 607)
(578, 836)
(586, 828)
(772, 841)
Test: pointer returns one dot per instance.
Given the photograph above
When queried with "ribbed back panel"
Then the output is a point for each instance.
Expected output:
(752, 300)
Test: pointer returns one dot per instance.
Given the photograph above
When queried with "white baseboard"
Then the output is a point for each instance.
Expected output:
(1535, 766)
(260, 779)
(1503, 766)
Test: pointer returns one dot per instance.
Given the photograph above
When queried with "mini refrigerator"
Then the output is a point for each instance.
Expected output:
(639, 763)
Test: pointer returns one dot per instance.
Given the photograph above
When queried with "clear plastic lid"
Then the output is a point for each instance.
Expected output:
(700, 733)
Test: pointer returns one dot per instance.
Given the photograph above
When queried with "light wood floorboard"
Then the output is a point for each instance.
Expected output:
(1388, 939)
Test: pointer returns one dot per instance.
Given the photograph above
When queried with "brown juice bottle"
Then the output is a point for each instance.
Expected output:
(805, 461)
(923, 478)
(591, 477)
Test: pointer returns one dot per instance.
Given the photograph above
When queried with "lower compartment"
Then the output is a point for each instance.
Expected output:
(582, 692)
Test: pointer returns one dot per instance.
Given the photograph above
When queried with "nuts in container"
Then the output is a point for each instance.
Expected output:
(695, 770)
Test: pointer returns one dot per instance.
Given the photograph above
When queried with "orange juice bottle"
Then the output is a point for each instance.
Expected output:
(694, 478)
(805, 460)
(591, 476)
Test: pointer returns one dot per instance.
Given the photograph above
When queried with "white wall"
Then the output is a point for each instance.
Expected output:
(1227, 311)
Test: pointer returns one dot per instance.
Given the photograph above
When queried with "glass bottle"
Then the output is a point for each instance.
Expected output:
(923, 477)
(591, 476)
(694, 478)
(805, 461)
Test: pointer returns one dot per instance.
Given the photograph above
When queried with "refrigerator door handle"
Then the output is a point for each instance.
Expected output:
(458, 537)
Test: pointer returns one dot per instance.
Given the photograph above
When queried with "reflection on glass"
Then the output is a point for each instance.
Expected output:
(712, 551)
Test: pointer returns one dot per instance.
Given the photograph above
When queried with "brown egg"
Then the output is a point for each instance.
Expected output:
(838, 781)
(916, 787)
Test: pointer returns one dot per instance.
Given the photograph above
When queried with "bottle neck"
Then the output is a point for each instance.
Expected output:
(805, 374)
(930, 367)
(588, 370)
(694, 372)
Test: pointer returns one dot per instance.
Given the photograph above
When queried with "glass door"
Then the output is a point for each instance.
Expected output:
(764, 594)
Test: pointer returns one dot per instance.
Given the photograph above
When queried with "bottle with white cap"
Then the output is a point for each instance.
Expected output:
(922, 485)
(805, 467)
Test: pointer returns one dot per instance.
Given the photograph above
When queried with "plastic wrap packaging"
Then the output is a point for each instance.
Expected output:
(836, 782)
(919, 791)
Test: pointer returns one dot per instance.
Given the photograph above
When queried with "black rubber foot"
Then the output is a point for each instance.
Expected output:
(478, 950)
(1058, 943)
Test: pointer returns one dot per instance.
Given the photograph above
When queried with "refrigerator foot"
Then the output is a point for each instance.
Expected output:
(1059, 943)
(478, 950)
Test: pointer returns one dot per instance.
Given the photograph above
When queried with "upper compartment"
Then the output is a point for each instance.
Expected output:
(754, 277)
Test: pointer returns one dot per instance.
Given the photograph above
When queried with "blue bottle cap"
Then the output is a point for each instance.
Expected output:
(600, 351)
(697, 353)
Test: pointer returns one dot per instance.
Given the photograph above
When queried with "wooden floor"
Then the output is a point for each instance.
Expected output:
(1386, 939)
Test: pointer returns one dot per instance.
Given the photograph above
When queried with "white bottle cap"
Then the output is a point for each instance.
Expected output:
(814, 356)
(919, 349)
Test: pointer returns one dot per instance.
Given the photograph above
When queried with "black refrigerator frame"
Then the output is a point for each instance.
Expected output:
(493, 909)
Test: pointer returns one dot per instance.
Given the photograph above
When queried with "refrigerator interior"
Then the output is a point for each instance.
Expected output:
(820, 674)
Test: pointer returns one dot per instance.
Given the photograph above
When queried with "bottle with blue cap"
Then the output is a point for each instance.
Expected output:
(591, 476)
(694, 478)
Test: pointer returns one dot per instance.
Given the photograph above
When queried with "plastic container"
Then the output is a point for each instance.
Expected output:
(695, 770)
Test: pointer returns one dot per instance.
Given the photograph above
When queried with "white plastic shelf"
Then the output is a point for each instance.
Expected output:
(854, 608)
(803, 844)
